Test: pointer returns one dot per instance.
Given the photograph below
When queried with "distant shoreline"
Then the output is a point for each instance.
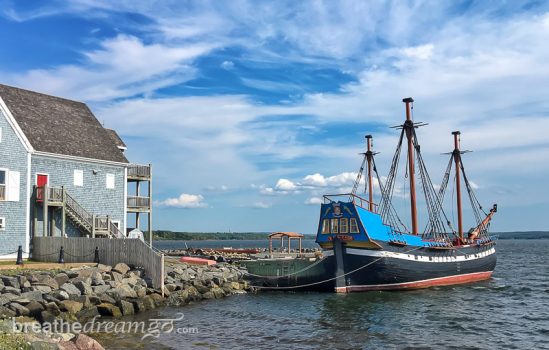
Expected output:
(162, 235)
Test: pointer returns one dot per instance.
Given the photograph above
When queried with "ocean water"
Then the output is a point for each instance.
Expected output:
(510, 311)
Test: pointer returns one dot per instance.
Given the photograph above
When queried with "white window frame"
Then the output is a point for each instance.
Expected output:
(5, 184)
(108, 184)
(353, 226)
(2, 223)
(343, 228)
(0, 134)
(80, 177)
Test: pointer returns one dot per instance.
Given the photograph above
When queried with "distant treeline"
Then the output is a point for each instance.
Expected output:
(164, 235)
(522, 235)
(200, 236)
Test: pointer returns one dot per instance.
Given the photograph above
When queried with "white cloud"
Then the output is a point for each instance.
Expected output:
(422, 52)
(123, 66)
(285, 185)
(188, 201)
(314, 201)
(227, 65)
(261, 205)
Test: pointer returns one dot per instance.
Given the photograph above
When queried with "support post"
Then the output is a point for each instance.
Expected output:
(35, 218)
(63, 212)
(150, 206)
(457, 160)
(409, 128)
(93, 226)
(369, 155)
(45, 211)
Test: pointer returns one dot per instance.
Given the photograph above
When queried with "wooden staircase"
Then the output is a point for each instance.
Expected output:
(89, 224)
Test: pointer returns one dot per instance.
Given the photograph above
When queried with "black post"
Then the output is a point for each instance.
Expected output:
(96, 257)
(62, 256)
(19, 256)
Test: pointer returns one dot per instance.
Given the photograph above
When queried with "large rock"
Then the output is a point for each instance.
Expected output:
(46, 316)
(43, 345)
(84, 287)
(42, 288)
(71, 306)
(83, 342)
(61, 278)
(33, 295)
(125, 291)
(10, 281)
(148, 303)
(35, 308)
(140, 290)
(48, 281)
(116, 276)
(6, 298)
(67, 345)
(62, 294)
(6, 313)
(109, 310)
(126, 307)
(71, 289)
(121, 268)
(104, 268)
(218, 292)
(53, 308)
(105, 298)
(139, 305)
(97, 279)
(87, 314)
(101, 289)
(11, 290)
(84, 299)
(19, 309)
(157, 298)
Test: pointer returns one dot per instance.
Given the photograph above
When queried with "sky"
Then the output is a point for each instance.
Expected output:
(250, 111)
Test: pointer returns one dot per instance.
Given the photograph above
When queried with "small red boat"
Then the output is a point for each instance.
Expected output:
(197, 261)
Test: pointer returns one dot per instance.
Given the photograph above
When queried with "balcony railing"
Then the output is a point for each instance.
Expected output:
(2, 192)
(137, 202)
(139, 171)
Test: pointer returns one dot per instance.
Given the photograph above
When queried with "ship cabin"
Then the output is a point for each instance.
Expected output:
(356, 221)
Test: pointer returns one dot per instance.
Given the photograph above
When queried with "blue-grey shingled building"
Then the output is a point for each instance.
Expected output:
(63, 174)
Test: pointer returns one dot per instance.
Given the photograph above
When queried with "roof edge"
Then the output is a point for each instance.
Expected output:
(13, 123)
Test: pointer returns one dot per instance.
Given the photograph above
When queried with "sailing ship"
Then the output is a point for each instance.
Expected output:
(366, 246)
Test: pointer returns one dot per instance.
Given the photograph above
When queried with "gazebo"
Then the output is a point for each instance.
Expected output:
(281, 235)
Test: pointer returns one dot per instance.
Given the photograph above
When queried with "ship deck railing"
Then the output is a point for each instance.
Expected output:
(351, 197)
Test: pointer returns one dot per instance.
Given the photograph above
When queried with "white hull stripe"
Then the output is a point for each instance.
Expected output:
(422, 258)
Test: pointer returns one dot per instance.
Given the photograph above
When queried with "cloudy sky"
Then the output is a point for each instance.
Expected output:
(250, 111)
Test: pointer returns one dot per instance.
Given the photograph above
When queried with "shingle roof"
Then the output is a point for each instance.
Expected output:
(60, 126)
(116, 138)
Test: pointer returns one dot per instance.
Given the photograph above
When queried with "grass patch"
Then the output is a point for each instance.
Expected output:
(13, 341)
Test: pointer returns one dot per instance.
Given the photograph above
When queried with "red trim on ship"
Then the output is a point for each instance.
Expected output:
(440, 281)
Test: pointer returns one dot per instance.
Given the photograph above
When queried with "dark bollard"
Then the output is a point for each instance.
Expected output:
(19, 256)
(96, 257)
(62, 255)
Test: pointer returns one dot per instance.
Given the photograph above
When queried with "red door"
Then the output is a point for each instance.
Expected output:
(41, 180)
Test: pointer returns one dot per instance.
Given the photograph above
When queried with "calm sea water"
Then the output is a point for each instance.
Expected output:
(510, 311)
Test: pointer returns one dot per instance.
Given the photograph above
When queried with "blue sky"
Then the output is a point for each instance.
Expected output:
(250, 111)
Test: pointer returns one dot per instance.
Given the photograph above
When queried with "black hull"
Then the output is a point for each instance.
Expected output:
(390, 268)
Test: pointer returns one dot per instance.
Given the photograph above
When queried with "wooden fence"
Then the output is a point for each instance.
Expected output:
(111, 252)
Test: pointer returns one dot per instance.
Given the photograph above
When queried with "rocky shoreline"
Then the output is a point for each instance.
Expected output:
(38, 298)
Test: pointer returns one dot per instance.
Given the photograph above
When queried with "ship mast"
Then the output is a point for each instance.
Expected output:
(409, 128)
(369, 157)
(457, 159)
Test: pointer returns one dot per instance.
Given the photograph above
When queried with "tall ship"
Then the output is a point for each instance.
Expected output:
(366, 246)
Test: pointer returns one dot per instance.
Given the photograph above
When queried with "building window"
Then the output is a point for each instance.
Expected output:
(0, 134)
(354, 226)
(326, 226)
(3, 176)
(110, 181)
(343, 225)
(79, 178)
(335, 225)
(2, 224)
